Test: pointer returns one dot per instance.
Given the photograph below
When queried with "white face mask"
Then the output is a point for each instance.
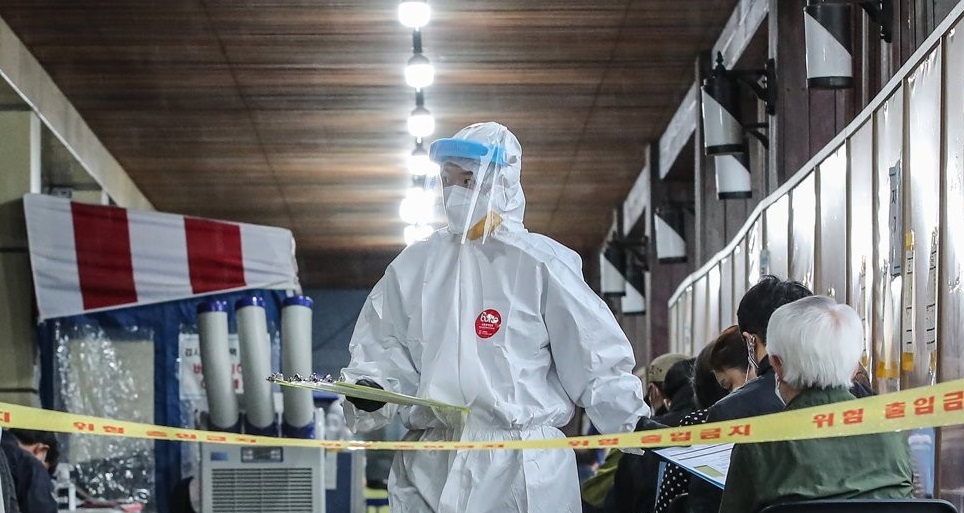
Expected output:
(457, 202)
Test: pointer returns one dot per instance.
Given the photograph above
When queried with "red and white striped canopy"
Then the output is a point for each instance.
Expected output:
(91, 257)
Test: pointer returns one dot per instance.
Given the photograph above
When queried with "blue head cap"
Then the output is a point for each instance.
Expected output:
(450, 147)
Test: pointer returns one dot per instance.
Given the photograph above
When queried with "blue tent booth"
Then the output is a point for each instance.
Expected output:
(117, 293)
(99, 364)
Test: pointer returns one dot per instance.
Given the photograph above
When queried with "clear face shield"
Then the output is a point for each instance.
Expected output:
(468, 177)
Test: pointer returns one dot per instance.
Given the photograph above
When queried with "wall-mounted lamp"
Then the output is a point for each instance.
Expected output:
(634, 301)
(414, 13)
(612, 269)
(670, 243)
(722, 120)
(733, 177)
(828, 31)
(419, 72)
(421, 123)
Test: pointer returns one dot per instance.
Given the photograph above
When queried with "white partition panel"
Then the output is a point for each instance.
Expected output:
(861, 227)
(686, 318)
(777, 241)
(700, 315)
(727, 304)
(739, 276)
(713, 289)
(754, 254)
(951, 270)
(887, 236)
(889, 125)
(832, 263)
(803, 219)
(924, 162)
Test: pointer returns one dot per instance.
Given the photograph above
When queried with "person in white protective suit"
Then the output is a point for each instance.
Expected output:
(487, 315)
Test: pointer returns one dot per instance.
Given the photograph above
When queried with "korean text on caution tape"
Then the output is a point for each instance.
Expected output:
(933, 406)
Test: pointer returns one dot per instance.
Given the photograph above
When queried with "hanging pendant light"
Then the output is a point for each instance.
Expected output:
(414, 13)
(419, 72)
(421, 123)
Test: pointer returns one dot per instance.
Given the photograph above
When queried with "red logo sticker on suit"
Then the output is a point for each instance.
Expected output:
(488, 323)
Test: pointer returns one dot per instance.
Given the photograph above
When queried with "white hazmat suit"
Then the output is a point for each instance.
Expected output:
(502, 323)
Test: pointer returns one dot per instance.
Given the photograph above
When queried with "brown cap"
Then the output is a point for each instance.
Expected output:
(656, 372)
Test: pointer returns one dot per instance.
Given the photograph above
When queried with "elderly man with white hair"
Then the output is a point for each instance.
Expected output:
(815, 346)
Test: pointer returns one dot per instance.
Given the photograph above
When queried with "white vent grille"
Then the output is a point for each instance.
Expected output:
(281, 490)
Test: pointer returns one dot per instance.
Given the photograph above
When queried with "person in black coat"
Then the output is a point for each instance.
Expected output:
(635, 484)
(27, 453)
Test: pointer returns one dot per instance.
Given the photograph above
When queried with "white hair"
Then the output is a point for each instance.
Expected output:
(818, 341)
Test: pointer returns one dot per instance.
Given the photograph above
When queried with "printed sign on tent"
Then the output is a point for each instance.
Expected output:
(192, 379)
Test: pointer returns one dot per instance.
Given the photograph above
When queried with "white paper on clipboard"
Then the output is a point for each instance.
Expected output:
(709, 462)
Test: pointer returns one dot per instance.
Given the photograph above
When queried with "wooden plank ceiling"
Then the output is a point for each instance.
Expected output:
(293, 112)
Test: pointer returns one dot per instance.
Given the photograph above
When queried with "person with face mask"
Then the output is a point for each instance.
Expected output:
(490, 316)
(756, 396)
(596, 490)
(814, 345)
(720, 368)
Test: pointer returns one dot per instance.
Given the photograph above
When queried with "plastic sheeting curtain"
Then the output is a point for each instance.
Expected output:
(107, 373)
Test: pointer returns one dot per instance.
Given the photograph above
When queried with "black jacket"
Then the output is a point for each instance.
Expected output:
(634, 487)
(35, 489)
(756, 397)
(7, 489)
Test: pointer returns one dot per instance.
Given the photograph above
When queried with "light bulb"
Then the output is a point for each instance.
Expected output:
(419, 73)
(417, 207)
(414, 14)
(416, 232)
(421, 123)
(419, 164)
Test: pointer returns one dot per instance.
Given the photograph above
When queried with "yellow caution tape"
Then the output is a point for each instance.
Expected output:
(933, 406)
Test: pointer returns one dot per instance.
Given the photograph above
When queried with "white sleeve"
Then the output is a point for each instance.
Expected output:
(592, 356)
(379, 353)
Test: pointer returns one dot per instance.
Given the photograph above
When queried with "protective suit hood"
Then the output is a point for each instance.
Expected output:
(493, 155)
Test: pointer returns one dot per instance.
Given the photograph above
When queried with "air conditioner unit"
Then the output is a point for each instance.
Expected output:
(247, 479)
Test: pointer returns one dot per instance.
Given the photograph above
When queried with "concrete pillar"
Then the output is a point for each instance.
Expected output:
(19, 175)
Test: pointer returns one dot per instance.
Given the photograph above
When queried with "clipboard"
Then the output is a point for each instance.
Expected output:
(360, 392)
(708, 462)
